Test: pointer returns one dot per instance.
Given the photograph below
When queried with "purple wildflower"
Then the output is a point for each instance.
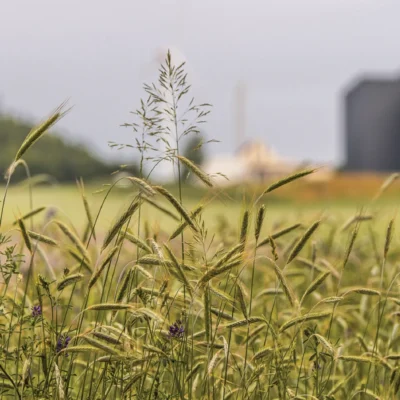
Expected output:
(36, 311)
(176, 330)
(62, 342)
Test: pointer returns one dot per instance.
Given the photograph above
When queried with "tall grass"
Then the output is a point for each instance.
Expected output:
(190, 311)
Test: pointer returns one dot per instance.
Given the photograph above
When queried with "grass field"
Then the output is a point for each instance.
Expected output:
(228, 203)
(252, 325)
(310, 313)
(286, 291)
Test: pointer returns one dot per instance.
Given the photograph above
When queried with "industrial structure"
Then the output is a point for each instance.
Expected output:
(253, 161)
(372, 125)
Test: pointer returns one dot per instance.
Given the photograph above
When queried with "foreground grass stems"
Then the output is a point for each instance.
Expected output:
(30, 140)
(381, 307)
(257, 230)
(193, 307)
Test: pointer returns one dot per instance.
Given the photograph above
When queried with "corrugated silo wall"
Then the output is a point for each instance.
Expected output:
(372, 124)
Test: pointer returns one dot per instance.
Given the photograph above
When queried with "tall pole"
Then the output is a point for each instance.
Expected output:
(240, 112)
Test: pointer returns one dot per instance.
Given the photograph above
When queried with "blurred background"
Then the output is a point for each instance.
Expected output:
(291, 82)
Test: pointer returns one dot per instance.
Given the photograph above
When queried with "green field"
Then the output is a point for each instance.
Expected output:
(68, 201)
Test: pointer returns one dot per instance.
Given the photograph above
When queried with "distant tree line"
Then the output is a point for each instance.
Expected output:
(52, 155)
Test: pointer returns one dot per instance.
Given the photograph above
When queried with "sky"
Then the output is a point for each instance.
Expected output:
(294, 57)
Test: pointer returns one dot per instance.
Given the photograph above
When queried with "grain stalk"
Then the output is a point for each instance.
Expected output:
(258, 227)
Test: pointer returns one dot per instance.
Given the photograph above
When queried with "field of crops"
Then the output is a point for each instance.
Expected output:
(154, 292)
(272, 301)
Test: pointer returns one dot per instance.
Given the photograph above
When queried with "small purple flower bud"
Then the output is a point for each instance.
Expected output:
(62, 343)
(36, 311)
(176, 330)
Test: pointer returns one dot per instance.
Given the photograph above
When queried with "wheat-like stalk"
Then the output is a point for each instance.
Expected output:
(265, 352)
(302, 241)
(125, 284)
(304, 318)
(156, 249)
(244, 227)
(138, 242)
(102, 346)
(213, 272)
(278, 234)
(143, 271)
(119, 223)
(184, 224)
(315, 284)
(39, 131)
(195, 170)
(237, 251)
(109, 307)
(288, 179)
(270, 292)
(356, 359)
(178, 207)
(80, 349)
(356, 219)
(242, 302)
(131, 383)
(42, 238)
(180, 273)
(325, 342)
(144, 187)
(193, 371)
(96, 275)
(59, 381)
(87, 208)
(152, 260)
(25, 235)
(366, 291)
(259, 222)
(80, 259)
(74, 239)
(213, 363)
(221, 314)
(108, 338)
(221, 294)
(388, 239)
(350, 246)
(69, 280)
(286, 287)
(386, 184)
(245, 322)
(207, 315)
(30, 214)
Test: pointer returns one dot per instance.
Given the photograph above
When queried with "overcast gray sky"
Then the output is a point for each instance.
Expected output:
(295, 56)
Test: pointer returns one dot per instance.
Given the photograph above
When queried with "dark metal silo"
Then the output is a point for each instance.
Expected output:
(372, 125)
